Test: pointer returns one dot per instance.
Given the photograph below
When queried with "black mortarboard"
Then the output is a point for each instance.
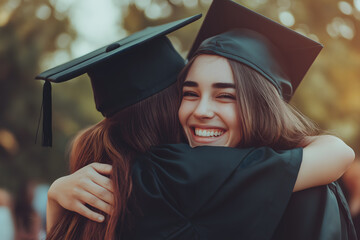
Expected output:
(233, 31)
(122, 73)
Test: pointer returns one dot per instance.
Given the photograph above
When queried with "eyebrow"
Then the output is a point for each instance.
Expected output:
(223, 85)
(215, 85)
(190, 84)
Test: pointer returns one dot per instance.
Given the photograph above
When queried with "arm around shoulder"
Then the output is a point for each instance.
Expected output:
(325, 159)
(88, 185)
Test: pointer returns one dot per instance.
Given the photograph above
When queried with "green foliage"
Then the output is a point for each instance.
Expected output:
(24, 39)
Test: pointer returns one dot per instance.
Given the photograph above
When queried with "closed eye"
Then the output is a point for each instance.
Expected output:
(190, 94)
(226, 96)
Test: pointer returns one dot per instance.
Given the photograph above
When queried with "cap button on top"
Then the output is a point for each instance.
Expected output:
(112, 47)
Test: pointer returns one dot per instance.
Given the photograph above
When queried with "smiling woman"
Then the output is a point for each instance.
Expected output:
(208, 112)
(226, 103)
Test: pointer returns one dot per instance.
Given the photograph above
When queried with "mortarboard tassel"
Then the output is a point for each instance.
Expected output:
(47, 116)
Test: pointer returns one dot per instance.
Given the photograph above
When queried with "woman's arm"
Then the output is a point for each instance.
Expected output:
(88, 185)
(325, 159)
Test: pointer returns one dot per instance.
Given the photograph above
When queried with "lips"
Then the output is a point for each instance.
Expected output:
(207, 135)
(208, 132)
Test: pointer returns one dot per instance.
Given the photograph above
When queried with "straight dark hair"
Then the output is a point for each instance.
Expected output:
(116, 140)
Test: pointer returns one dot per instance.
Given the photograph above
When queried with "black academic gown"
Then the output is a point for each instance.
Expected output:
(319, 213)
(211, 192)
(356, 221)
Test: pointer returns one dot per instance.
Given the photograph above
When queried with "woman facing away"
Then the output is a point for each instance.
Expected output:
(123, 75)
(225, 103)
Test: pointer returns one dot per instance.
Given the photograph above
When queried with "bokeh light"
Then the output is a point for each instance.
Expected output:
(43, 12)
(190, 3)
(345, 7)
(287, 18)
(357, 4)
(340, 27)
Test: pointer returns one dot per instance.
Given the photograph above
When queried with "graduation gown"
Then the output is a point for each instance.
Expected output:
(319, 213)
(211, 192)
(356, 221)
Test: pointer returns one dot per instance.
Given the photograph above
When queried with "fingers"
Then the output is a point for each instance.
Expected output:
(98, 185)
(88, 213)
(88, 186)
(99, 192)
(103, 181)
(100, 179)
(102, 168)
(94, 201)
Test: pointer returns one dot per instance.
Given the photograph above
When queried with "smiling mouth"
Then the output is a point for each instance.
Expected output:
(201, 132)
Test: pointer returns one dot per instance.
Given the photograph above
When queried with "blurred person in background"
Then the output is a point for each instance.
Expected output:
(27, 220)
(7, 229)
(39, 204)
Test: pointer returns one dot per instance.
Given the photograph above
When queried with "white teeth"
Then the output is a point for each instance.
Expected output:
(208, 132)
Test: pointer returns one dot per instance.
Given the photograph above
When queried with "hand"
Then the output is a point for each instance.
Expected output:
(89, 186)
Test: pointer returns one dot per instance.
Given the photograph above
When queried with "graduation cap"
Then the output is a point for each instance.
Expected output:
(122, 73)
(280, 54)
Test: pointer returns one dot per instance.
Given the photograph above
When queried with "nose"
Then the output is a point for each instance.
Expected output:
(204, 109)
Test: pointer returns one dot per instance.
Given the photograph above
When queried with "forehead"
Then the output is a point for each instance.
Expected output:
(210, 68)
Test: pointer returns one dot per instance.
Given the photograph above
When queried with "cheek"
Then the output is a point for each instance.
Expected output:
(230, 115)
(233, 120)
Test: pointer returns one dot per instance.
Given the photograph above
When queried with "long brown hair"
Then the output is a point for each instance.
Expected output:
(116, 140)
(265, 118)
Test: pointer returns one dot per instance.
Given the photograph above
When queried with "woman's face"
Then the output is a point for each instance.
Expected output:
(208, 111)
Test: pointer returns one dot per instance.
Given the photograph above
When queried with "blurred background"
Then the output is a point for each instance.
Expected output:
(38, 34)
